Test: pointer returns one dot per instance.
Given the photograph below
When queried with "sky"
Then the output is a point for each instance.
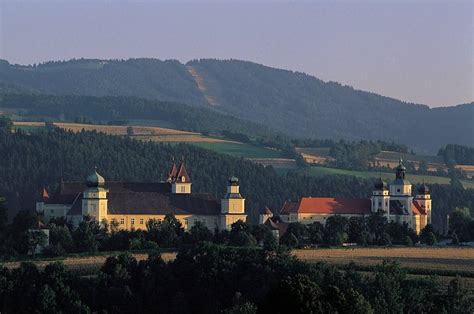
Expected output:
(416, 51)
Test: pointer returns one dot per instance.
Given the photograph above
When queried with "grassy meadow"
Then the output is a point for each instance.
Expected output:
(321, 171)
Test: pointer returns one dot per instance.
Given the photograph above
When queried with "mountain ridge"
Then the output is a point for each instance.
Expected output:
(294, 103)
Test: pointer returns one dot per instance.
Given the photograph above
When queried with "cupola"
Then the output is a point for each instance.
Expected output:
(380, 185)
(423, 189)
(95, 180)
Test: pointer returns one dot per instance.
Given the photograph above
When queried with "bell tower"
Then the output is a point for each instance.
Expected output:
(94, 200)
(232, 205)
(380, 199)
(423, 199)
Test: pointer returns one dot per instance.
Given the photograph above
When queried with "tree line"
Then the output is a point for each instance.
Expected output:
(209, 278)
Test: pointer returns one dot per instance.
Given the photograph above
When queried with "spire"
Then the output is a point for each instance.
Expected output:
(45, 194)
(182, 175)
(172, 173)
(400, 171)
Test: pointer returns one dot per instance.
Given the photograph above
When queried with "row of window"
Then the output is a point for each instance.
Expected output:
(186, 221)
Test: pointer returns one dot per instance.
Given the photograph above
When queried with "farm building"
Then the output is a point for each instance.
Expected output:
(130, 205)
(396, 201)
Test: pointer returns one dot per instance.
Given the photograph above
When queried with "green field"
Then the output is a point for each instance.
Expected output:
(409, 157)
(240, 150)
(321, 171)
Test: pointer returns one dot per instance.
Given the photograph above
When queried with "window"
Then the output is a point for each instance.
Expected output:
(186, 221)
(141, 221)
(183, 189)
(52, 211)
(132, 221)
(122, 221)
(398, 190)
(204, 221)
(386, 203)
(380, 204)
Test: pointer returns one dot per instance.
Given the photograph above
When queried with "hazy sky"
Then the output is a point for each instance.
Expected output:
(417, 51)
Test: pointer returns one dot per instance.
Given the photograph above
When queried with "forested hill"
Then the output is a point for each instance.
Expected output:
(150, 78)
(306, 106)
(295, 103)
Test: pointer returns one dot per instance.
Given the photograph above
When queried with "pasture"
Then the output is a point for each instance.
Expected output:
(240, 149)
(168, 135)
(430, 258)
(413, 178)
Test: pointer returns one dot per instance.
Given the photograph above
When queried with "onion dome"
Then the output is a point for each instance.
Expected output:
(380, 184)
(400, 170)
(424, 189)
(95, 180)
(234, 181)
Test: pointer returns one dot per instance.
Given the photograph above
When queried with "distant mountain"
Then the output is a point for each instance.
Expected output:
(294, 103)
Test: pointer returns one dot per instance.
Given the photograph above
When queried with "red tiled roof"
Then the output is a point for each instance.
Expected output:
(172, 173)
(182, 173)
(417, 209)
(328, 205)
(45, 194)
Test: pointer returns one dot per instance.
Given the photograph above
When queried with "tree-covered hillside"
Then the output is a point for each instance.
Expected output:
(302, 105)
(294, 103)
(151, 78)
(111, 108)
(29, 162)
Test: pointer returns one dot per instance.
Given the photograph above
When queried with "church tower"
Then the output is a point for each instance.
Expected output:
(232, 205)
(400, 195)
(181, 183)
(423, 199)
(380, 199)
(94, 201)
(400, 186)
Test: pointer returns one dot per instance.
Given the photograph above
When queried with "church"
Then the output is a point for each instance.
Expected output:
(395, 201)
(130, 205)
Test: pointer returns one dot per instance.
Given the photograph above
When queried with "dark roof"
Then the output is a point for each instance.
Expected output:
(233, 195)
(289, 207)
(76, 208)
(397, 208)
(267, 211)
(75, 187)
(280, 226)
(161, 204)
(380, 184)
(62, 198)
(399, 181)
(424, 189)
(152, 203)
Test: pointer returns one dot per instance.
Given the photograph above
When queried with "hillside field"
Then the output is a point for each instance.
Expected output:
(321, 171)
(160, 134)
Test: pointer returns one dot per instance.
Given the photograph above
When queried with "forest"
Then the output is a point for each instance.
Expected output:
(121, 110)
(292, 103)
(209, 278)
(32, 161)
(457, 154)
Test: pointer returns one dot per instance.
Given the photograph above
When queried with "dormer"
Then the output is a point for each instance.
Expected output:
(181, 183)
